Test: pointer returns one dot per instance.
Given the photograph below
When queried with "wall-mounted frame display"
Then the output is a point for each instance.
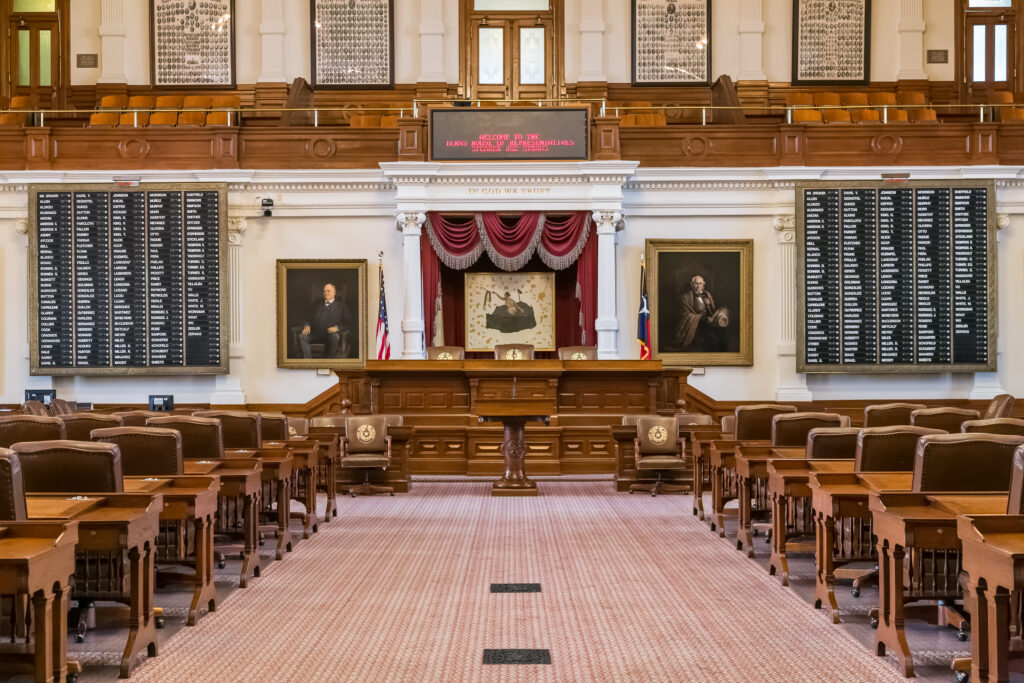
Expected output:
(701, 296)
(192, 43)
(510, 308)
(321, 313)
(831, 42)
(671, 42)
(128, 281)
(352, 43)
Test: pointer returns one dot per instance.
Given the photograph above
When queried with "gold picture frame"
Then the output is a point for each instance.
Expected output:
(510, 308)
(712, 285)
(301, 285)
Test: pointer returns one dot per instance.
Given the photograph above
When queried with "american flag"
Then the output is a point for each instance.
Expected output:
(643, 318)
(383, 345)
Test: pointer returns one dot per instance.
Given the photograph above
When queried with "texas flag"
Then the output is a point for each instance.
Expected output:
(643, 318)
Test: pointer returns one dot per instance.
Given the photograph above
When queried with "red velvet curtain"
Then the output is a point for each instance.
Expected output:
(532, 241)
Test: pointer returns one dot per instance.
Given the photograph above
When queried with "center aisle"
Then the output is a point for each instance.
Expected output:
(633, 588)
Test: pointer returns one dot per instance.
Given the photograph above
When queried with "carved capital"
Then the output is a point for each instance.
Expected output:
(1002, 221)
(607, 221)
(785, 229)
(236, 227)
(411, 222)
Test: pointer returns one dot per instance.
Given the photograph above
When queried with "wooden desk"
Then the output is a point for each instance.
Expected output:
(37, 560)
(188, 500)
(993, 557)
(789, 475)
(700, 449)
(275, 477)
(111, 524)
(752, 474)
(725, 485)
(305, 466)
(918, 543)
(240, 481)
(438, 399)
(840, 500)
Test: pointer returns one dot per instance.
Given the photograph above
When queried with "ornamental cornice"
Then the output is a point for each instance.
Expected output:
(313, 187)
(710, 185)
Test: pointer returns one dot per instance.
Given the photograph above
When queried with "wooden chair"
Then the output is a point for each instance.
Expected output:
(65, 466)
(17, 428)
(167, 114)
(964, 462)
(224, 111)
(853, 99)
(807, 116)
(135, 116)
(577, 353)
(194, 102)
(886, 414)
(446, 352)
(836, 116)
(20, 112)
(657, 448)
(59, 406)
(791, 429)
(366, 446)
(1000, 406)
(145, 451)
(865, 116)
(136, 418)
(35, 408)
(332, 422)
(946, 419)
(833, 443)
(754, 422)
(799, 99)
(273, 427)
(997, 425)
(78, 427)
(298, 426)
(889, 449)
(826, 99)
(513, 351)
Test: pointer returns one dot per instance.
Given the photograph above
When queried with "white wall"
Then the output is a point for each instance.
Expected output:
(85, 38)
(940, 34)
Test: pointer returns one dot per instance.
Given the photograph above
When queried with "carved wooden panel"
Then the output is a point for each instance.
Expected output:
(882, 145)
(587, 451)
(756, 144)
(438, 451)
(333, 147)
(485, 455)
(12, 149)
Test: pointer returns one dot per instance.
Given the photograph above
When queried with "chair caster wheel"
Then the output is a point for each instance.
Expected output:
(962, 677)
(221, 564)
(80, 638)
(392, 494)
(962, 636)
(874, 623)
(855, 592)
(654, 494)
(352, 495)
(817, 604)
(160, 622)
(315, 530)
(241, 555)
(72, 678)
(754, 533)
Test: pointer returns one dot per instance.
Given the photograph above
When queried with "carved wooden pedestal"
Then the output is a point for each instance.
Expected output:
(514, 482)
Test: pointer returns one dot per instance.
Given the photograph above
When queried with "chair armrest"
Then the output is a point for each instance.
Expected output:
(636, 451)
(387, 440)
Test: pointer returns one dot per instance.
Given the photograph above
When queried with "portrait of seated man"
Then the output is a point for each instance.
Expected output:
(701, 321)
(326, 326)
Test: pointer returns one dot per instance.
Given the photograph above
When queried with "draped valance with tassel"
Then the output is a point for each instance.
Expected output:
(510, 242)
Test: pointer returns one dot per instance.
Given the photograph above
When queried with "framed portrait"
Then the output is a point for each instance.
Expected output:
(510, 308)
(352, 43)
(671, 42)
(831, 42)
(192, 43)
(321, 313)
(701, 298)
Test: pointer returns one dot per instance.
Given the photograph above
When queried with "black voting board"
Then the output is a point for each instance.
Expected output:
(896, 276)
(128, 280)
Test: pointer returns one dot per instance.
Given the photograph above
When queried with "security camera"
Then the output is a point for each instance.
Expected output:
(268, 207)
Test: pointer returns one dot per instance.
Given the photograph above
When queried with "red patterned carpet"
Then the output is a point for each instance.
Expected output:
(633, 588)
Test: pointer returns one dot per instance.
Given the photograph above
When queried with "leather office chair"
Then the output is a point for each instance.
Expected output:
(889, 449)
(790, 429)
(366, 446)
(298, 426)
(946, 419)
(729, 424)
(513, 351)
(14, 428)
(145, 451)
(65, 466)
(201, 437)
(836, 443)
(999, 425)
(241, 429)
(657, 448)
(446, 353)
(1015, 504)
(965, 462)
(273, 427)
(59, 406)
(1000, 406)
(35, 408)
(79, 426)
(754, 422)
(887, 414)
(12, 488)
(136, 418)
(577, 353)
(685, 419)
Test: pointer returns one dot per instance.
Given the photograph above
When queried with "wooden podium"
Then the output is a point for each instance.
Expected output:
(513, 393)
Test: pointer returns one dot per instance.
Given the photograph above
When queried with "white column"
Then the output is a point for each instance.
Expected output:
(911, 29)
(987, 384)
(112, 42)
(792, 385)
(607, 323)
(592, 29)
(228, 388)
(751, 41)
(272, 42)
(411, 225)
(432, 42)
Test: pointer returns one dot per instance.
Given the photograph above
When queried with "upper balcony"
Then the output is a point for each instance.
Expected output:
(202, 132)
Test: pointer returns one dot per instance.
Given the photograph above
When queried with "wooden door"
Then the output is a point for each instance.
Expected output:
(987, 43)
